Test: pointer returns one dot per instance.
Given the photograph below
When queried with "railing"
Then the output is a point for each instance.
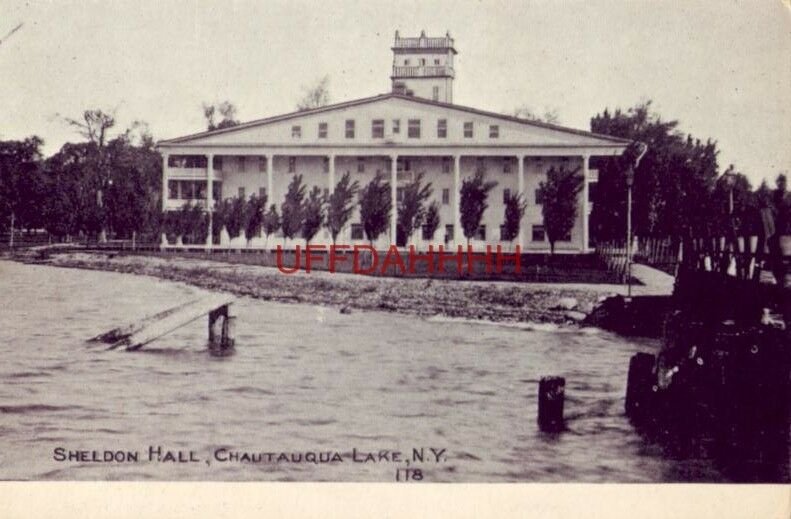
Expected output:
(423, 71)
(660, 253)
(613, 255)
(419, 43)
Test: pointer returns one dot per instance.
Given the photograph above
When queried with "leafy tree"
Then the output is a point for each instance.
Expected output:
(472, 202)
(291, 209)
(672, 183)
(254, 216)
(316, 95)
(515, 207)
(235, 220)
(339, 205)
(431, 223)
(411, 208)
(192, 224)
(558, 196)
(220, 216)
(21, 183)
(312, 213)
(226, 111)
(271, 222)
(375, 205)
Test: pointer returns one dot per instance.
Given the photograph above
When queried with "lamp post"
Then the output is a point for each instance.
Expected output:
(629, 183)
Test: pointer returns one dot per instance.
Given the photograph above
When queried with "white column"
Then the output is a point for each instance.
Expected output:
(521, 193)
(331, 159)
(457, 232)
(585, 216)
(270, 166)
(393, 197)
(209, 194)
(165, 160)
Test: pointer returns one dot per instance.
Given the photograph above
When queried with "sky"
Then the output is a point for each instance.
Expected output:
(721, 68)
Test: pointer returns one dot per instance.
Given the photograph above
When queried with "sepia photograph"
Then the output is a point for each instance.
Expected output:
(395, 242)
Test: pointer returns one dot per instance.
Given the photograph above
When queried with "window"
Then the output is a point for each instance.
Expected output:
(436, 61)
(241, 193)
(360, 164)
(322, 130)
(506, 195)
(292, 164)
(216, 190)
(406, 62)
(426, 234)
(217, 164)
(262, 164)
(538, 197)
(446, 196)
(378, 128)
(445, 165)
(442, 128)
(187, 161)
(506, 165)
(435, 93)
(173, 189)
(422, 61)
(468, 130)
(200, 190)
(538, 233)
(399, 194)
(357, 231)
(350, 128)
(448, 233)
(494, 131)
(396, 126)
(187, 190)
(413, 129)
(296, 132)
(480, 233)
(240, 163)
(326, 164)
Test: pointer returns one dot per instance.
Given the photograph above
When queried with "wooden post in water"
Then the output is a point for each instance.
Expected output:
(228, 332)
(218, 326)
(551, 395)
(639, 384)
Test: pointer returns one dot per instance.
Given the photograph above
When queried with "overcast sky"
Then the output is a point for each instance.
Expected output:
(721, 68)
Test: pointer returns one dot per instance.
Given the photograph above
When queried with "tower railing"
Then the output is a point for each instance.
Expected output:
(422, 71)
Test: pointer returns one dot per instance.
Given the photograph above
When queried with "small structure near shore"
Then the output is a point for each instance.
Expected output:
(135, 335)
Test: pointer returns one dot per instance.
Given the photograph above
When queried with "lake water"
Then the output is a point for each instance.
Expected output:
(304, 379)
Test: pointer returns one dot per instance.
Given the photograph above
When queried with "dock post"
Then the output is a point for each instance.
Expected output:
(228, 332)
(551, 395)
(639, 385)
(217, 325)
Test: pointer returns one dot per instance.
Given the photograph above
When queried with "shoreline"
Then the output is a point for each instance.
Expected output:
(495, 301)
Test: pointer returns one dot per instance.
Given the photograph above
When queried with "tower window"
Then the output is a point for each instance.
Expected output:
(494, 131)
(322, 130)
(413, 130)
(350, 128)
(435, 93)
(442, 128)
(396, 126)
(378, 128)
(468, 130)
(296, 132)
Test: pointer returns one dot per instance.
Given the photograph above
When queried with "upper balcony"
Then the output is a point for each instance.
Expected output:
(422, 71)
(423, 42)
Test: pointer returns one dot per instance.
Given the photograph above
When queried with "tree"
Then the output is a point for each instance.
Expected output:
(312, 213)
(411, 210)
(558, 195)
(94, 125)
(375, 205)
(431, 224)
(254, 216)
(227, 112)
(515, 207)
(271, 222)
(315, 96)
(235, 220)
(472, 203)
(192, 223)
(339, 205)
(291, 209)
(220, 216)
(550, 115)
(21, 183)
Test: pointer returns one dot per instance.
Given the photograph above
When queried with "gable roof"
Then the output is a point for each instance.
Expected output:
(380, 97)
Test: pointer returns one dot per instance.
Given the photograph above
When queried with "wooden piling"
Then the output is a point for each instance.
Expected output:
(639, 385)
(551, 396)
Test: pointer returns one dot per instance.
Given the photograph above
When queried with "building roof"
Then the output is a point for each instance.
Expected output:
(380, 97)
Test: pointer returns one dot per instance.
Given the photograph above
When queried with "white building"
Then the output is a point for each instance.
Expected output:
(415, 128)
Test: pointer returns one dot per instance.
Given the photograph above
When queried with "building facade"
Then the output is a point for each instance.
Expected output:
(412, 130)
